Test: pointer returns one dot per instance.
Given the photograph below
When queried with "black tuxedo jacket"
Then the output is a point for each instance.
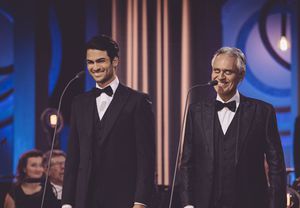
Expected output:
(127, 150)
(257, 136)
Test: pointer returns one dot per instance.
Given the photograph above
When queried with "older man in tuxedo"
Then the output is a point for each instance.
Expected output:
(227, 139)
(110, 159)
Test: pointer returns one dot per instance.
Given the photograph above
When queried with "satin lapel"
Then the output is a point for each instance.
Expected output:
(88, 115)
(246, 115)
(114, 109)
(208, 112)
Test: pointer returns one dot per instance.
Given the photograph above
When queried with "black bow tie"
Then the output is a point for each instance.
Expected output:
(107, 90)
(231, 105)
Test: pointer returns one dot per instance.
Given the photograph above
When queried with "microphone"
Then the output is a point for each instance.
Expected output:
(180, 143)
(77, 76)
(212, 83)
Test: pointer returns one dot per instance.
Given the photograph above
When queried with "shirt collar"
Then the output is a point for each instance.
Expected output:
(114, 85)
(235, 98)
(57, 187)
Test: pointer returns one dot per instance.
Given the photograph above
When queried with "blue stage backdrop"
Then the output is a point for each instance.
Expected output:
(6, 91)
(257, 30)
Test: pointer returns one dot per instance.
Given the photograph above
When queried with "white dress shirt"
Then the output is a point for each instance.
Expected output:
(57, 189)
(102, 102)
(225, 117)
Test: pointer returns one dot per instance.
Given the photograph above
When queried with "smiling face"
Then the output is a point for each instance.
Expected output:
(224, 70)
(101, 67)
(34, 167)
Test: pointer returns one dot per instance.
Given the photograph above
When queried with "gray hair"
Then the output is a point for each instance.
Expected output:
(55, 153)
(234, 52)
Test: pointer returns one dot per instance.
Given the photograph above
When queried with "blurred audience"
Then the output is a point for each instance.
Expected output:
(27, 191)
(56, 171)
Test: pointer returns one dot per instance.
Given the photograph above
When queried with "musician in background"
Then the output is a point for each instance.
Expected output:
(297, 147)
(56, 171)
(27, 191)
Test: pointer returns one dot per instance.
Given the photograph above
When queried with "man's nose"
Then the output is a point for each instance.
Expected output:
(95, 66)
(221, 75)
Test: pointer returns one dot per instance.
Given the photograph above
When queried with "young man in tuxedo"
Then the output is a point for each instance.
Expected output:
(111, 150)
(227, 139)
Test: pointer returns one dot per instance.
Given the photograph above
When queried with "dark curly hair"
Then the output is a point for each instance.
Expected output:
(21, 175)
(104, 43)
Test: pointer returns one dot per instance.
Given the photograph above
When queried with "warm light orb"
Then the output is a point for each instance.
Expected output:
(53, 120)
(283, 43)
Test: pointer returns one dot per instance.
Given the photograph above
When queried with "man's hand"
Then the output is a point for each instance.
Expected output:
(138, 206)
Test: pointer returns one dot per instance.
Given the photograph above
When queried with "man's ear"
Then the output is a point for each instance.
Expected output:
(115, 61)
(242, 75)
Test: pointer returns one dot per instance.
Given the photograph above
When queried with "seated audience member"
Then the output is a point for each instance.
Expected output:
(56, 171)
(27, 191)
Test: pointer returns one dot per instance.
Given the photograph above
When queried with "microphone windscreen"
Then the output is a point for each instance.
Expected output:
(80, 74)
(212, 82)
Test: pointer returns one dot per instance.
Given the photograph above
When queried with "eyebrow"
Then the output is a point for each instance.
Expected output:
(224, 69)
(99, 59)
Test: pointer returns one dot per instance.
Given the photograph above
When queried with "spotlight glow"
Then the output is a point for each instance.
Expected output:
(53, 120)
(283, 43)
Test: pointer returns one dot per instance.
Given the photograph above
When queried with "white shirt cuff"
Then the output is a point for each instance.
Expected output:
(69, 206)
(189, 206)
(140, 204)
(66, 206)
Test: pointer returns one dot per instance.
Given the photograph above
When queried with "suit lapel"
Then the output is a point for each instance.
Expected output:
(208, 124)
(87, 109)
(246, 115)
(114, 109)
(88, 113)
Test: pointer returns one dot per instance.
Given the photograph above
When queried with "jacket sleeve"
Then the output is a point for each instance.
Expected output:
(145, 149)
(186, 164)
(275, 160)
(72, 161)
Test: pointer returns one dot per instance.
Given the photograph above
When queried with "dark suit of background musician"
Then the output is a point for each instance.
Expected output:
(110, 162)
(225, 168)
(297, 147)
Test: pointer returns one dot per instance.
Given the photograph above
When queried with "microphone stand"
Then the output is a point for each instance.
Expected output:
(54, 135)
(210, 83)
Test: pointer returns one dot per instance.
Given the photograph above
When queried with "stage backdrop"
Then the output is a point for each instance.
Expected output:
(166, 47)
